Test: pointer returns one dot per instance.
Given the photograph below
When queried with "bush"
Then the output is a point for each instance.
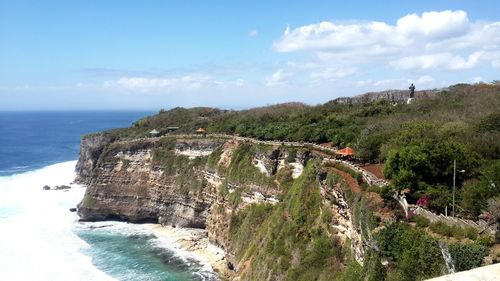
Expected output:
(441, 228)
(485, 240)
(471, 233)
(467, 256)
(453, 230)
(414, 255)
(421, 221)
(327, 215)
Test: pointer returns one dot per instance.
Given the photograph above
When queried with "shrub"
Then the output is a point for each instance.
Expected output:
(467, 256)
(421, 221)
(471, 233)
(441, 228)
(327, 215)
(453, 230)
(413, 254)
(485, 240)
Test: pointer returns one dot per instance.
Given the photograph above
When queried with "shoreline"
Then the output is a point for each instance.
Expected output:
(195, 241)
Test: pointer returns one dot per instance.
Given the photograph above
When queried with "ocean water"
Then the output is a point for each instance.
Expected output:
(40, 239)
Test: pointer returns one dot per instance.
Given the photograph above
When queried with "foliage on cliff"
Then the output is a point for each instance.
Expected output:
(419, 140)
(187, 172)
(288, 241)
(412, 254)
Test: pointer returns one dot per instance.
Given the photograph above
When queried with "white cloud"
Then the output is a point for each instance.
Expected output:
(436, 25)
(446, 40)
(332, 73)
(477, 79)
(253, 33)
(177, 83)
(438, 60)
(278, 78)
(423, 82)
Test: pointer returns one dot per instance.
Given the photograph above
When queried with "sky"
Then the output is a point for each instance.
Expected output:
(122, 55)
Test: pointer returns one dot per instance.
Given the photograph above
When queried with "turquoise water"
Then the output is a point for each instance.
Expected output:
(40, 239)
(146, 255)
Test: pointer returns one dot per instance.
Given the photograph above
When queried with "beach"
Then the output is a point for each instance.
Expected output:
(196, 242)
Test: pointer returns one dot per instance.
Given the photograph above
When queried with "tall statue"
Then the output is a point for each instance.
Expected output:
(412, 91)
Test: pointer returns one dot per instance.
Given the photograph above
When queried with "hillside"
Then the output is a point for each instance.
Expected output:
(286, 211)
(461, 122)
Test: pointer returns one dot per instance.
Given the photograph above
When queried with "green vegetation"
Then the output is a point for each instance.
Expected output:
(412, 254)
(418, 142)
(453, 231)
(475, 193)
(242, 171)
(294, 240)
(357, 176)
(467, 256)
(187, 171)
(291, 239)
(421, 221)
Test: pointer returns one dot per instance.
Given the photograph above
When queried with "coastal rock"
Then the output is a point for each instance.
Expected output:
(46, 187)
(91, 146)
(61, 187)
(72, 210)
(128, 183)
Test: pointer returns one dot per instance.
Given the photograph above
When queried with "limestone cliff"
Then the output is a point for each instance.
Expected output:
(205, 183)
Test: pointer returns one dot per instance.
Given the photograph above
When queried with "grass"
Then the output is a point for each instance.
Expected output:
(290, 240)
(457, 232)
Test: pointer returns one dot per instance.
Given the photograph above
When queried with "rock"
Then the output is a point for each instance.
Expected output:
(72, 210)
(46, 187)
(61, 187)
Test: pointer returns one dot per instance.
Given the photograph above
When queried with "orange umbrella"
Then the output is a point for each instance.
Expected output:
(346, 151)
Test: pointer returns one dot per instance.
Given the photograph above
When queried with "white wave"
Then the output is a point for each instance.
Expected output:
(202, 267)
(36, 238)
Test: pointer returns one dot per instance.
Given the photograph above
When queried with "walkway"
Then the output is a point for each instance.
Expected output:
(485, 273)
(368, 177)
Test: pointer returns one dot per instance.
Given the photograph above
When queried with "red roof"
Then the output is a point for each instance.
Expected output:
(346, 151)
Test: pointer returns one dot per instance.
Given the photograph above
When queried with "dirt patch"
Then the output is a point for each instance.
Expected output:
(351, 182)
(376, 169)
(227, 151)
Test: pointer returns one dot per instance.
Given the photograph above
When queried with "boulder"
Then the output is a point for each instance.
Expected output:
(61, 187)
(46, 187)
(72, 210)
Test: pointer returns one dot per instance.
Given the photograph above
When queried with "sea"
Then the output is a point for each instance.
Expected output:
(40, 239)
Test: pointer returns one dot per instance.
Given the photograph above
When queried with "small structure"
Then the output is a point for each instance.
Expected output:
(171, 129)
(154, 133)
(346, 152)
(200, 131)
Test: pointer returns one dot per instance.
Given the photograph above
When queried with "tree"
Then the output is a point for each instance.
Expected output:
(475, 194)
(419, 156)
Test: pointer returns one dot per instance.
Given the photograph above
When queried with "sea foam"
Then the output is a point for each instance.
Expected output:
(36, 237)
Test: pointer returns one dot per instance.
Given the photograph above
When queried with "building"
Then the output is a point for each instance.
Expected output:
(172, 129)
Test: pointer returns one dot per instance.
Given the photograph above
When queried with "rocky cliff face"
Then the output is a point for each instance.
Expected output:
(126, 182)
(198, 182)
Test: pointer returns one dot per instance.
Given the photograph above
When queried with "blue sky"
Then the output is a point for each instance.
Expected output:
(158, 54)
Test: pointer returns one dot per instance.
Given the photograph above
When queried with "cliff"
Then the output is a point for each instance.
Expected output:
(218, 184)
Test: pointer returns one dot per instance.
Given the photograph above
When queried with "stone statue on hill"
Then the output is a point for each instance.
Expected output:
(412, 91)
